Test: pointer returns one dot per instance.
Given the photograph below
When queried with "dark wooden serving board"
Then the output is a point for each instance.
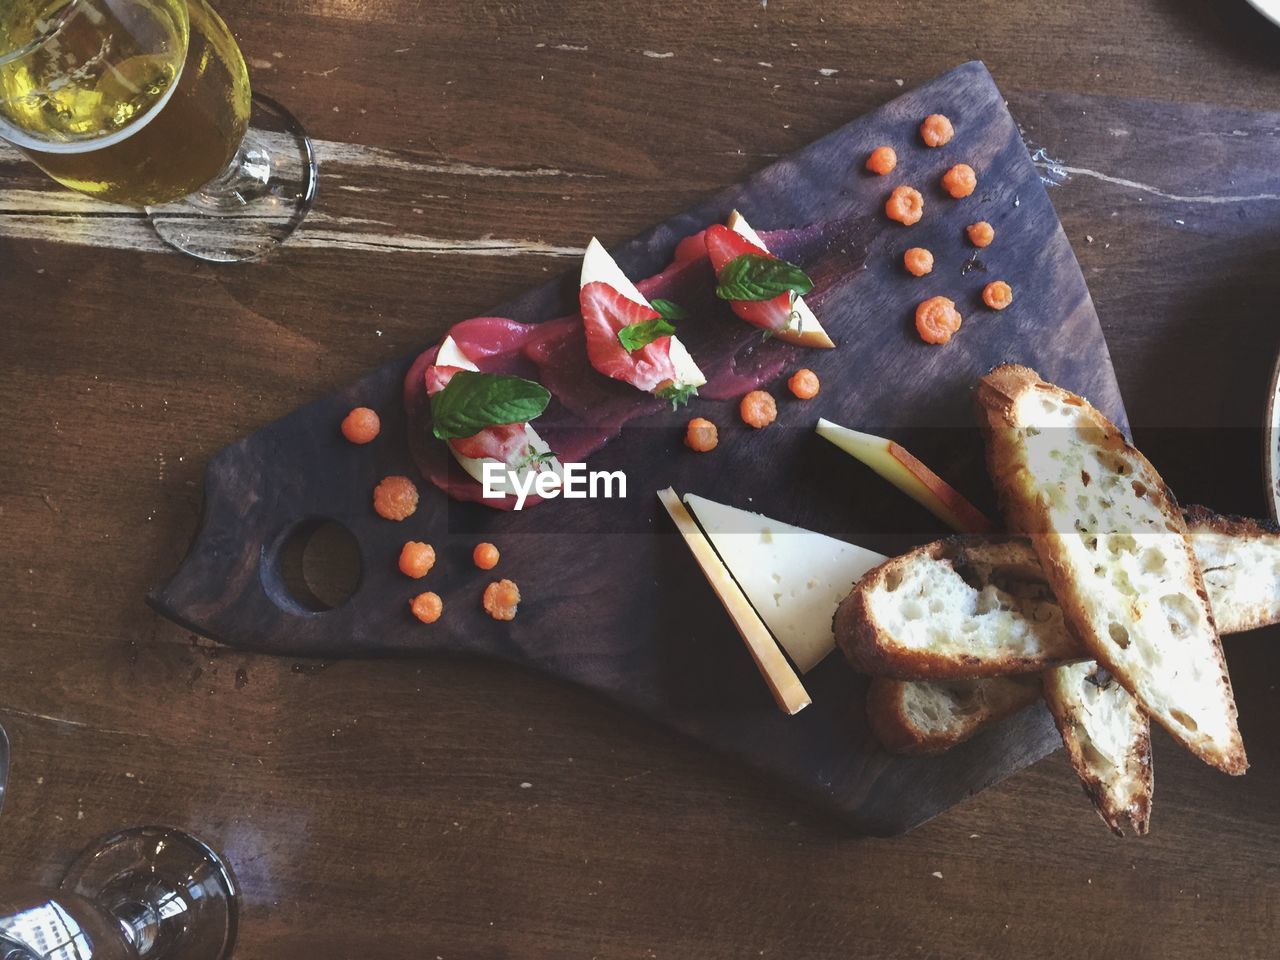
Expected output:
(612, 600)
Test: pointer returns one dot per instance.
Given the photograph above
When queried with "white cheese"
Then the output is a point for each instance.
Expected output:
(599, 267)
(451, 355)
(687, 371)
(787, 688)
(794, 578)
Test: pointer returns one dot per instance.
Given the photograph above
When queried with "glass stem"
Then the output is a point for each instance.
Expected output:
(140, 921)
(245, 179)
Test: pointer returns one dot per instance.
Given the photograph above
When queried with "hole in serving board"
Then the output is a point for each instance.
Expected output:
(315, 566)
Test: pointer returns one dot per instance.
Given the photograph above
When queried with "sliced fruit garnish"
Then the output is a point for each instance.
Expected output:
(469, 401)
(477, 403)
(904, 471)
(784, 315)
(629, 340)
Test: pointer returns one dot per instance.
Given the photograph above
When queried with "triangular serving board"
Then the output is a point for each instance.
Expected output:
(612, 600)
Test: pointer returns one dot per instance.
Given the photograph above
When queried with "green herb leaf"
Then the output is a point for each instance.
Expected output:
(678, 393)
(668, 310)
(470, 402)
(753, 276)
(532, 458)
(641, 334)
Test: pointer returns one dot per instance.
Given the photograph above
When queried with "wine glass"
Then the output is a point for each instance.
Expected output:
(152, 893)
(147, 103)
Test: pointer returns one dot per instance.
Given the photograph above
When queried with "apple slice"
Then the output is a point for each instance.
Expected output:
(667, 354)
(909, 475)
(788, 691)
(801, 326)
(451, 355)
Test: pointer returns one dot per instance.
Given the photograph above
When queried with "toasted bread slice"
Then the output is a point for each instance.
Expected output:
(931, 716)
(1108, 740)
(1240, 561)
(1114, 547)
(955, 609)
(981, 607)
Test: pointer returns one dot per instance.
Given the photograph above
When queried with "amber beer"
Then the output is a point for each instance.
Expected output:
(133, 101)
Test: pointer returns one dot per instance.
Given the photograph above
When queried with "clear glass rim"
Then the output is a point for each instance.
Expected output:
(9, 56)
(21, 138)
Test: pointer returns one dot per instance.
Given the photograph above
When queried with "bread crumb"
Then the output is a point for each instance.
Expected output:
(525, 785)
(937, 873)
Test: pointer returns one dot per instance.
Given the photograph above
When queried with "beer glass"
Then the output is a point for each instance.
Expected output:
(147, 103)
(147, 894)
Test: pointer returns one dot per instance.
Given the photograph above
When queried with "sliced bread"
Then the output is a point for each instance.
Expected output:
(931, 716)
(1240, 561)
(1115, 550)
(955, 609)
(981, 606)
(1108, 740)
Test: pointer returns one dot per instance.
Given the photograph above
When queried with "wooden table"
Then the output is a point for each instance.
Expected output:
(460, 810)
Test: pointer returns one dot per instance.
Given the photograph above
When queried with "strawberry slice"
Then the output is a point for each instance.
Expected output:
(691, 247)
(785, 316)
(604, 312)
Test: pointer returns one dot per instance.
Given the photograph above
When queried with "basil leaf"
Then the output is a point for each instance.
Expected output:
(641, 334)
(470, 402)
(668, 310)
(677, 394)
(754, 276)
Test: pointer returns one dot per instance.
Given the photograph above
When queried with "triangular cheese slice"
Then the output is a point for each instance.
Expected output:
(788, 692)
(794, 578)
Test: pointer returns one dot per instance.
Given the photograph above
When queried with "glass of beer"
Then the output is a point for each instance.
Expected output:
(147, 103)
(147, 894)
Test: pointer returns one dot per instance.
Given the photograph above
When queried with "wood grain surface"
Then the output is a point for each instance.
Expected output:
(377, 809)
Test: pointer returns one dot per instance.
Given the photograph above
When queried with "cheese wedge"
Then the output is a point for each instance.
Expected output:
(451, 355)
(803, 328)
(599, 267)
(788, 691)
(794, 578)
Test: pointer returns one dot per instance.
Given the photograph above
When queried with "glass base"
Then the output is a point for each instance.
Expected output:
(256, 203)
(175, 897)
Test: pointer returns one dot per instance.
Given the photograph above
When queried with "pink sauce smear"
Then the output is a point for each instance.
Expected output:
(588, 409)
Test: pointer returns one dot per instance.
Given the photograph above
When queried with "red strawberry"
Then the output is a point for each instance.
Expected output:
(507, 443)
(438, 377)
(691, 247)
(725, 245)
(604, 312)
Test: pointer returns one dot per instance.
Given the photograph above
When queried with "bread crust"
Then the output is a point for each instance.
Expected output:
(996, 399)
(1116, 808)
(894, 730)
(1228, 524)
(898, 733)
